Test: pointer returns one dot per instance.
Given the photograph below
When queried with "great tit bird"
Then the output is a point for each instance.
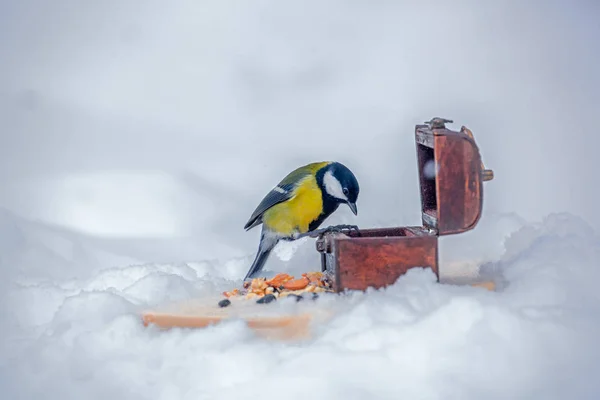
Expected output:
(299, 204)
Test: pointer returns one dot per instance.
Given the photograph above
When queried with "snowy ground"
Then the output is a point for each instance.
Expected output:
(536, 338)
(135, 141)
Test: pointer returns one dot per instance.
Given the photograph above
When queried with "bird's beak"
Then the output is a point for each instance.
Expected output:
(353, 208)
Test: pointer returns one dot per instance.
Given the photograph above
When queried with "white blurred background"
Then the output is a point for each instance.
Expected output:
(154, 128)
(137, 137)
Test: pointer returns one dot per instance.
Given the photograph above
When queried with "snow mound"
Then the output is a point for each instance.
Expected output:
(536, 338)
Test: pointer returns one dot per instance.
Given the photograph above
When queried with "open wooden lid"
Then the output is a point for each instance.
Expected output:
(451, 174)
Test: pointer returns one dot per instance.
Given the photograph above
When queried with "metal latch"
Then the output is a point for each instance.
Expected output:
(438, 123)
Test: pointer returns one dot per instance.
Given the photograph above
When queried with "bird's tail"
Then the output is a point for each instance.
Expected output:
(259, 262)
(268, 240)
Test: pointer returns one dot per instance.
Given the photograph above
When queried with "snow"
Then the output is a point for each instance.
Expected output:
(135, 142)
(417, 338)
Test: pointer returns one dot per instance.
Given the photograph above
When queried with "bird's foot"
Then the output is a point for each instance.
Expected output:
(329, 229)
(343, 227)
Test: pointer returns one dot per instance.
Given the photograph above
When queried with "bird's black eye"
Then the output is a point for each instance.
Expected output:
(345, 190)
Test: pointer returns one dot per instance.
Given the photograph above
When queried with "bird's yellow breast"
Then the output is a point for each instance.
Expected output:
(297, 213)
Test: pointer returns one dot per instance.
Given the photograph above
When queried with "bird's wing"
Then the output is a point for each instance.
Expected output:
(278, 194)
(282, 192)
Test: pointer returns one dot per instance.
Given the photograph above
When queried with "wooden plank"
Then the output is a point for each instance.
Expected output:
(266, 320)
(277, 328)
(489, 285)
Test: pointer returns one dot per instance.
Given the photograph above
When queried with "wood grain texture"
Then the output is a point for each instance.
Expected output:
(266, 321)
(458, 183)
(450, 178)
(281, 328)
(377, 262)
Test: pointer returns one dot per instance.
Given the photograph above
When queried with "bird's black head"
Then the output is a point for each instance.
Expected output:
(341, 184)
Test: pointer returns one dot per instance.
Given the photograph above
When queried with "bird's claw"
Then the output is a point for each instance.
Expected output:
(339, 228)
(334, 229)
(330, 229)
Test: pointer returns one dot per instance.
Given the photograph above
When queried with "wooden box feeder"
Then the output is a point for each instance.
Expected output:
(451, 176)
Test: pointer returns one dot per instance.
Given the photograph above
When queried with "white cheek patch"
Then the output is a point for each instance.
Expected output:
(333, 187)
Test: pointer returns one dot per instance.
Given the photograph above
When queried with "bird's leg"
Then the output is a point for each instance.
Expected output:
(329, 229)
